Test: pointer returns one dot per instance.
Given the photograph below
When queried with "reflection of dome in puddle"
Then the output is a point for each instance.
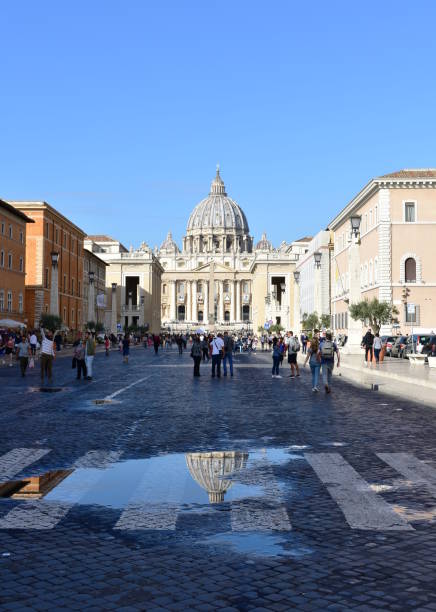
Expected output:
(212, 470)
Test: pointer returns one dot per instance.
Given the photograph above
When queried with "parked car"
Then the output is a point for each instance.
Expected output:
(399, 346)
(425, 340)
(388, 342)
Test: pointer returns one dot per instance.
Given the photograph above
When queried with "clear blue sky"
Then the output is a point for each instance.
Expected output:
(117, 112)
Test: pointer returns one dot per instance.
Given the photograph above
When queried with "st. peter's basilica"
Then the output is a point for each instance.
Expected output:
(220, 277)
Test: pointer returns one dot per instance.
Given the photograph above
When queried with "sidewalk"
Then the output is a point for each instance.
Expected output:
(394, 376)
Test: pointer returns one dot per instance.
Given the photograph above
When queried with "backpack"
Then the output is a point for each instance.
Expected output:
(327, 349)
(294, 345)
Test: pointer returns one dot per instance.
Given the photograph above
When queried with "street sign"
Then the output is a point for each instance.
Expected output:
(119, 327)
(266, 326)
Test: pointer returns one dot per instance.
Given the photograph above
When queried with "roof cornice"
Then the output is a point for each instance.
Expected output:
(372, 187)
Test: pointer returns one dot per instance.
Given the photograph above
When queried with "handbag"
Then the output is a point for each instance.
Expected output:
(31, 363)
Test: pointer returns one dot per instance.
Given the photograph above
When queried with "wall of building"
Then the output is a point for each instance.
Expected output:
(12, 266)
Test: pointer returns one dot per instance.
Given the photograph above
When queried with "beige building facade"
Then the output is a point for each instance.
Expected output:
(133, 284)
(221, 279)
(392, 253)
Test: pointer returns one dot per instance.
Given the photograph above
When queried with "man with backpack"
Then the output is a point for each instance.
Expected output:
(228, 353)
(328, 348)
(293, 346)
(367, 344)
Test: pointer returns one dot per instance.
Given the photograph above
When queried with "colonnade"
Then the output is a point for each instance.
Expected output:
(198, 300)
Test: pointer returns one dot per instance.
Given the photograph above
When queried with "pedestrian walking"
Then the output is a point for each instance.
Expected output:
(228, 353)
(107, 345)
(276, 358)
(303, 339)
(217, 346)
(10, 347)
(205, 349)
(125, 342)
(156, 343)
(328, 348)
(293, 346)
(314, 358)
(89, 354)
(33, 343)
(48, 354)
(196, 353)
(367, 344)
(23, 353)
(378, 345)
(79, 357)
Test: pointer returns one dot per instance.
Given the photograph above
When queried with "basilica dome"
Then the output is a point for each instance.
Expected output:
(217, 212)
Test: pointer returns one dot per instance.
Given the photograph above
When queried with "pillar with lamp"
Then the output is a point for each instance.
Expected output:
(114, 309)
(354, 341)
(91, 296)
(297, 314)
(54, 286)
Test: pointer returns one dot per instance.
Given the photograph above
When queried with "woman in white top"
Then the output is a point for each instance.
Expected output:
(378, 345)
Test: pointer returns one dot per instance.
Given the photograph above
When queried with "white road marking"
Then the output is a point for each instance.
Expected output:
(16, 460)
(46, 513)
(155, 504)
(112, 395)
(416, 471)
(362, 508)
(261, 514)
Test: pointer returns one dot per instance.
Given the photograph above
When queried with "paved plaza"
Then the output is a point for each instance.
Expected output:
(244, 493)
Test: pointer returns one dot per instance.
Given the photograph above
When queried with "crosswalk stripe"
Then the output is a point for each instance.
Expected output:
(415, 470)
(13, 462)
(144, 512)
(362, 508)
(46, 513)
(265, 514)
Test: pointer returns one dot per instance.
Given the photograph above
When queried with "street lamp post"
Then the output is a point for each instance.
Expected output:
(91, 296)
(354, 341)
(54, 286)
(114, 309)
(297, 316)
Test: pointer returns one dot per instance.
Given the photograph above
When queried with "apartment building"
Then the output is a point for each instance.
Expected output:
(54, 246)
(13, 225)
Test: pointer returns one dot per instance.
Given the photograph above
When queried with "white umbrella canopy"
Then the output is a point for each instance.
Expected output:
(10, 323)
(200, 331)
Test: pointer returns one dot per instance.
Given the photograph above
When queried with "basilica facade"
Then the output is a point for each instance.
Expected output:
(220, 278)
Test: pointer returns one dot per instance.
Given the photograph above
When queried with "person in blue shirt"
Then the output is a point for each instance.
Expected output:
(276, 354)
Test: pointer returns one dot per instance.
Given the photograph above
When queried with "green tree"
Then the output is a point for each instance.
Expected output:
(277, 328)
(325, 321)
(50, 322)
(375, 312)
(310, 321)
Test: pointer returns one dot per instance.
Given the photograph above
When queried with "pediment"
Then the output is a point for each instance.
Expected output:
(218, 267)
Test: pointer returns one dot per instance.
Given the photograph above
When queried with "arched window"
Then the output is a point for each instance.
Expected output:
(410, 270)
(376, 270)
(200, 316)
(226, 315)
(245, 313)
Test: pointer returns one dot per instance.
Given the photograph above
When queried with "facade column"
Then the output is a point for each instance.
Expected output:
(114, 309)
(54, 285)
(173, 301)
(194, 301)
(232, 302)
(238, 301)
(221, 302)
(188, 301)
(206, 302)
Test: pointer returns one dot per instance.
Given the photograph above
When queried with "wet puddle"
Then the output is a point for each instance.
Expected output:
(225, 498)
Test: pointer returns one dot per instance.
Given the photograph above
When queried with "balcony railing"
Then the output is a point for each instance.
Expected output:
(133, 308)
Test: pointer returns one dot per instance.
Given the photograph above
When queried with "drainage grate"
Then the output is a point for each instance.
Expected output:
(48, 389)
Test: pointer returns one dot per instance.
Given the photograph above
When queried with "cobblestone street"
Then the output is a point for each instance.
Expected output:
(244, 493)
